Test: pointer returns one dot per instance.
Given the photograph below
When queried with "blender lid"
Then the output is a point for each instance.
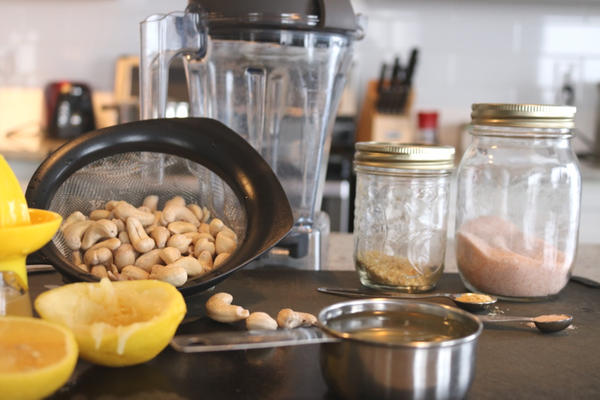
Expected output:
(327, 15)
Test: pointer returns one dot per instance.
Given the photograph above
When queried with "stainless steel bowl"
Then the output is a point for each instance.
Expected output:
(394, 349)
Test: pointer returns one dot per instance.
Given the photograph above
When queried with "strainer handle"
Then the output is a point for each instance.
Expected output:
(163, 38)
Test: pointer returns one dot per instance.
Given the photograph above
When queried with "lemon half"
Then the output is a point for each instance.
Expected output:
(36, 357)
(116, 323)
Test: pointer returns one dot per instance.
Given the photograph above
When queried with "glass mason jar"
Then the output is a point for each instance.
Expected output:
(401, 209)
(518, 201)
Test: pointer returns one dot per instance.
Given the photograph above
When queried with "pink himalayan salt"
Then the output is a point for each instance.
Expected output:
(496, 257)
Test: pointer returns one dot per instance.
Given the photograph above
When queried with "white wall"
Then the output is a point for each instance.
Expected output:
(474, 51)
(471, 51)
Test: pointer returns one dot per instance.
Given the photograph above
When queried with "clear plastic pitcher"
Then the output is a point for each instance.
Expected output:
(273, 71)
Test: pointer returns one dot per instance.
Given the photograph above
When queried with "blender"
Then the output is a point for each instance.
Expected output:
(273, 71)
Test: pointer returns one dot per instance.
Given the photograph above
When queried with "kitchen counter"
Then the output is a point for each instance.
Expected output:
(514, 360)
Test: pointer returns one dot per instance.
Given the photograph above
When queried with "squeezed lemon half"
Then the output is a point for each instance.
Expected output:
(116, 323)
(36, 357)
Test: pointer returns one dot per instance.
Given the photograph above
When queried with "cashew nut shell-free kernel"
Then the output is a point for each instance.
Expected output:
(177, 201)
(206, 259)
(215, 226)
(170, 254)
(260, 321)
(197, 210)
(101, 229)
(97, 215)
(138, 237)
(99, 271)
(173, 275)
(203, 244)
(160, 234)
(180, 227)
(224, 244)
(151, 202)
(134, 273)
(125, 255)
(220, 259)
(124, 210)
(290, 319)
(74, 217)
(147, 260)
(192, 266)
(111, 244)
(101, 256)
(219, 308)
(179, 241)
(74, 233)
(178, 213)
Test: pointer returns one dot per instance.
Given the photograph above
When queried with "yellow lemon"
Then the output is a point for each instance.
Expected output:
(36, 357)
(116, 323)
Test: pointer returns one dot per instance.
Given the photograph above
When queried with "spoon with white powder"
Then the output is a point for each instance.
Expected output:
(473, 302)
(545, 323)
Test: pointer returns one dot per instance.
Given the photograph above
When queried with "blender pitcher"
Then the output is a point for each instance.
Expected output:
(273, 71)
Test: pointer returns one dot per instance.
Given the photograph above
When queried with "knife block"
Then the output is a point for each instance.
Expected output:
(380, 127)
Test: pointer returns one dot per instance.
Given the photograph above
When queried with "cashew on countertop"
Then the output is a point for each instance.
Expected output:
(220, 309)
(124, 242)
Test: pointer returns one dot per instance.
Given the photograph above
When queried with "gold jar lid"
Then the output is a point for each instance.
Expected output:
(523, 115)
(404, 155)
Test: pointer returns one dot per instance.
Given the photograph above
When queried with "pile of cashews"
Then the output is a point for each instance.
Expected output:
(220, 309)
(124, 242)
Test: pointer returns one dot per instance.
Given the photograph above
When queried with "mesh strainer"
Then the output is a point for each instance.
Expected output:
(198, 159)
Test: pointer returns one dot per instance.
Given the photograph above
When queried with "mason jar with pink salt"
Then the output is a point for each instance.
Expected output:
(518, 201)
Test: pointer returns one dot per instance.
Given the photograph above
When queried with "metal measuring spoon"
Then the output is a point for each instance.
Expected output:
(545, 323)
(469, 301)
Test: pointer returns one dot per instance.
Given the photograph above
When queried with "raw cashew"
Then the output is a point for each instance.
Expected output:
(260, 321)
(99, 271)
(180, 227)
(195, 208)
(110, 206)
(74, 232)
(134, 273)
(75, 217)
(173, 275)
(147, 260)
(227, 231)
(178, 213)
(151, 202)
(124, 210)
(219, 308)
(207, 236)
(290, 319)
(138, 237)
(124, 237)
(111, 244)
(160, 234)
(170, 254)
(204, 228)
(102, 229)
(125, 255)
(220, 259)
(193, 235)
(84, 267)
(177, 201)
(180, 241)
(76, 257)
(215, 226)
(97, 215)
(224, 244)
(155, 224)
(206, 214)
(120, 224)
(204, 245)
(145, 209)
(101, 256)
(206, 259)
(192, 266)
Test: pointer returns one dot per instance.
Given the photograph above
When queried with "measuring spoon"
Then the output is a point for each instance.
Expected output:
(545, 323)
(469, 305)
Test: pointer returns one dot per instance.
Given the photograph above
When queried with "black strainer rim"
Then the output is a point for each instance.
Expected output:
(208, 142)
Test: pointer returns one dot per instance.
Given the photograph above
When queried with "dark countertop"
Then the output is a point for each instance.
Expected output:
(514, 361)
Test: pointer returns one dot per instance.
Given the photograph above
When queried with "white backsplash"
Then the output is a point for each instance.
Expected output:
(470, 52)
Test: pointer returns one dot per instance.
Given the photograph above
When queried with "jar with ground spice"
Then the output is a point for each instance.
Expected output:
(401, 212)
(518, 201)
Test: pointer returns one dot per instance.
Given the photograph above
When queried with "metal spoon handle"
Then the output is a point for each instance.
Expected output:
(358, 293)
(241, 340)
(503, 318)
